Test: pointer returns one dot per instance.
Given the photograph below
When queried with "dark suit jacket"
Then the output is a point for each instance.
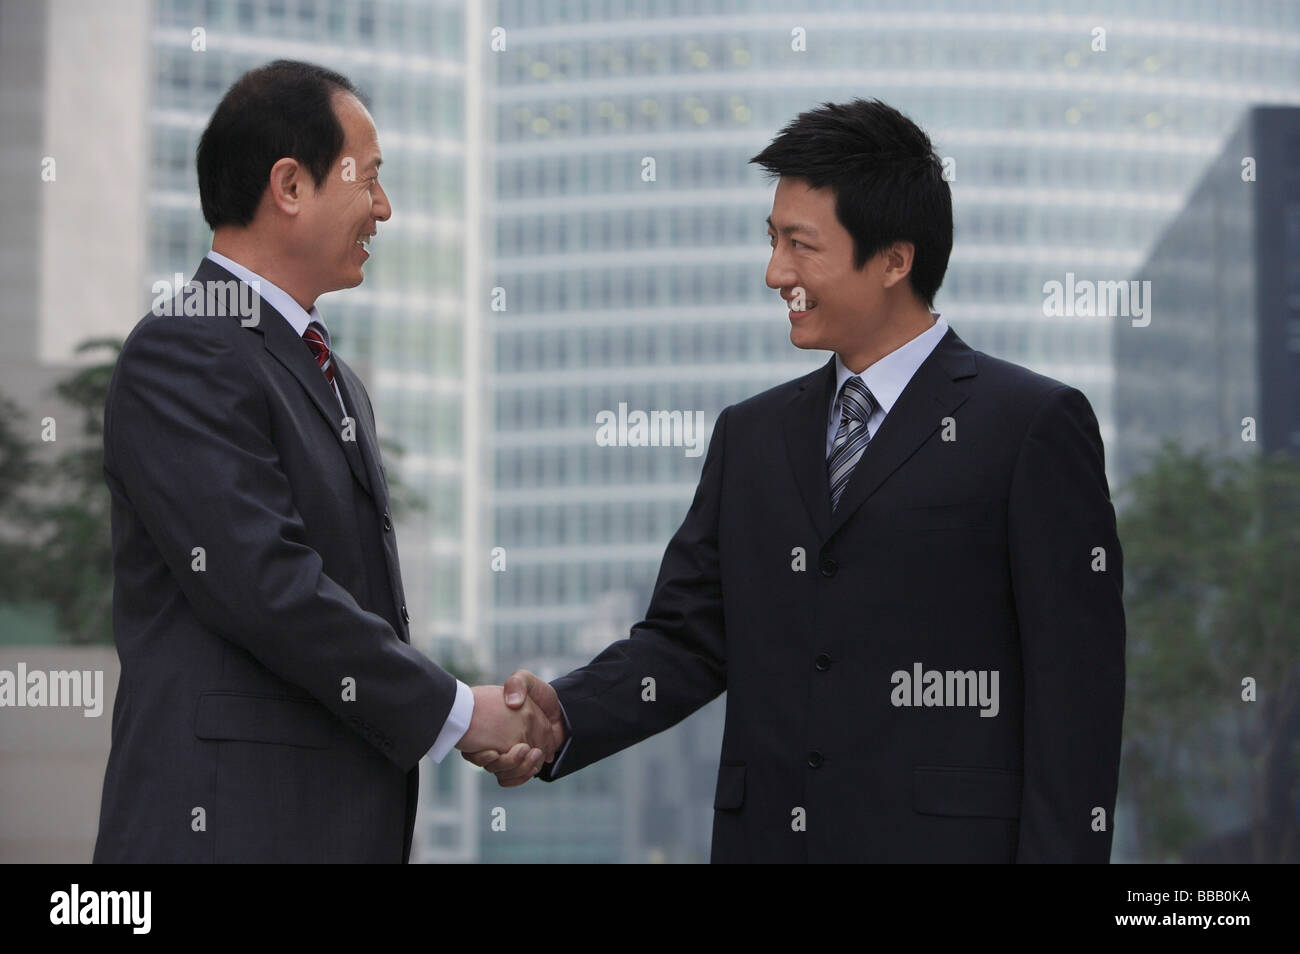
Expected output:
(961, 555)
(233, 735)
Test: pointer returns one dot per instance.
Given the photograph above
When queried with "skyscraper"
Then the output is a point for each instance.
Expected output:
(1218, 367)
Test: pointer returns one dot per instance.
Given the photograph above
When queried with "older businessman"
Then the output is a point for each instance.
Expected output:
(271, 706)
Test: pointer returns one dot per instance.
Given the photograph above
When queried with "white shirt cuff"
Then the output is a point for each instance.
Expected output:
(457, 724)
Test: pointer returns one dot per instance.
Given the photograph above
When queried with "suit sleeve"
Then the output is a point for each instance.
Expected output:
(188, 433)
(680, 644)
(1071, 622)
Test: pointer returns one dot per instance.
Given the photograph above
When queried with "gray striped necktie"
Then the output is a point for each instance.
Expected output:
(852, 438)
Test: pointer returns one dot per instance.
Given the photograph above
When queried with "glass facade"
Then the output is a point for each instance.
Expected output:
(1224, 343)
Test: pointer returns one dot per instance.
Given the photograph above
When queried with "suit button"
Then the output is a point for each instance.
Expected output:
(406, 617)
(388, 523)
(828, 566)
(822, 662)
(815, 759)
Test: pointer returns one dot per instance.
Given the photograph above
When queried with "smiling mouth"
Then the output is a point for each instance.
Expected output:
(364, 241)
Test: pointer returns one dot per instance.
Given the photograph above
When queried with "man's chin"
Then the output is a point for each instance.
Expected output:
(344, 282)
(806, 342)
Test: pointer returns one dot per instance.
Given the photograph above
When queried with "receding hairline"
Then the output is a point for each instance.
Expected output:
(376, 159)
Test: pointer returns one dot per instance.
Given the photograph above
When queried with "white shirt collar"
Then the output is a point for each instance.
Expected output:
(273, 295)
(889, 375)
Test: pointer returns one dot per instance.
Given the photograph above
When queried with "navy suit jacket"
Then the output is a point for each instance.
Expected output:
(976, 536)
(271, 706)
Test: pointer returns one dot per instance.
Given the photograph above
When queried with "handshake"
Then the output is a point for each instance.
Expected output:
(515, 730)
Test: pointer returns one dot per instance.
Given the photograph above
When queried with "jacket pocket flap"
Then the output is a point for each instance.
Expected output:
(977, 792)
(277, 719)
(730, 793)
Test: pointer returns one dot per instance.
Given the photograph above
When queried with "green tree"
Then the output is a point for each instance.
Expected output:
(1212, 559)
(70, 561)
(17, 470)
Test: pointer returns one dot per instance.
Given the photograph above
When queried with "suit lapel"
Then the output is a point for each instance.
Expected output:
(804, 423)
(929, 396)
(292, 352)
(366, 437)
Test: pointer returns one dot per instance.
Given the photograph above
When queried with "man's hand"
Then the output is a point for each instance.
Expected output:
(523, 730)
(523, 691)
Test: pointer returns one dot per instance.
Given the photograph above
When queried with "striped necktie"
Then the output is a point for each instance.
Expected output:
(315, 338)
(852, 437)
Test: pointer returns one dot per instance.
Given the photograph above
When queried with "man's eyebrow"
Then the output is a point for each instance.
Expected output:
(792, 229)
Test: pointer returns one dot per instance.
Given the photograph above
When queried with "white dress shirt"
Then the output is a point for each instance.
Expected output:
(886, 378)
(462, 710)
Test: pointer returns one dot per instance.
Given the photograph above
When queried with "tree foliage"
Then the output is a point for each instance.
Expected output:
(1212, 560)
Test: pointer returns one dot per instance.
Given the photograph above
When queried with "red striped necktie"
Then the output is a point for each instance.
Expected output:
(315, 338)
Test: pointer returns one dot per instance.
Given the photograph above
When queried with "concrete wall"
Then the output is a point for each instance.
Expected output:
(52, 762)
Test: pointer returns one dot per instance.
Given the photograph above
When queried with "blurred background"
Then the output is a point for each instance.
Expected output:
(532, 276)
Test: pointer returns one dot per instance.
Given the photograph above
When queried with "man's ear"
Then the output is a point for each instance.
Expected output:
(287, 185)
(898, 262)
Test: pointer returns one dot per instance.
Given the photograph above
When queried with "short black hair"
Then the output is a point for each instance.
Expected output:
(282, 109)
(888, 181)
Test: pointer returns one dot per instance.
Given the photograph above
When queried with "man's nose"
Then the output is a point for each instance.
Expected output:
(381, 210)
(779, 274)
